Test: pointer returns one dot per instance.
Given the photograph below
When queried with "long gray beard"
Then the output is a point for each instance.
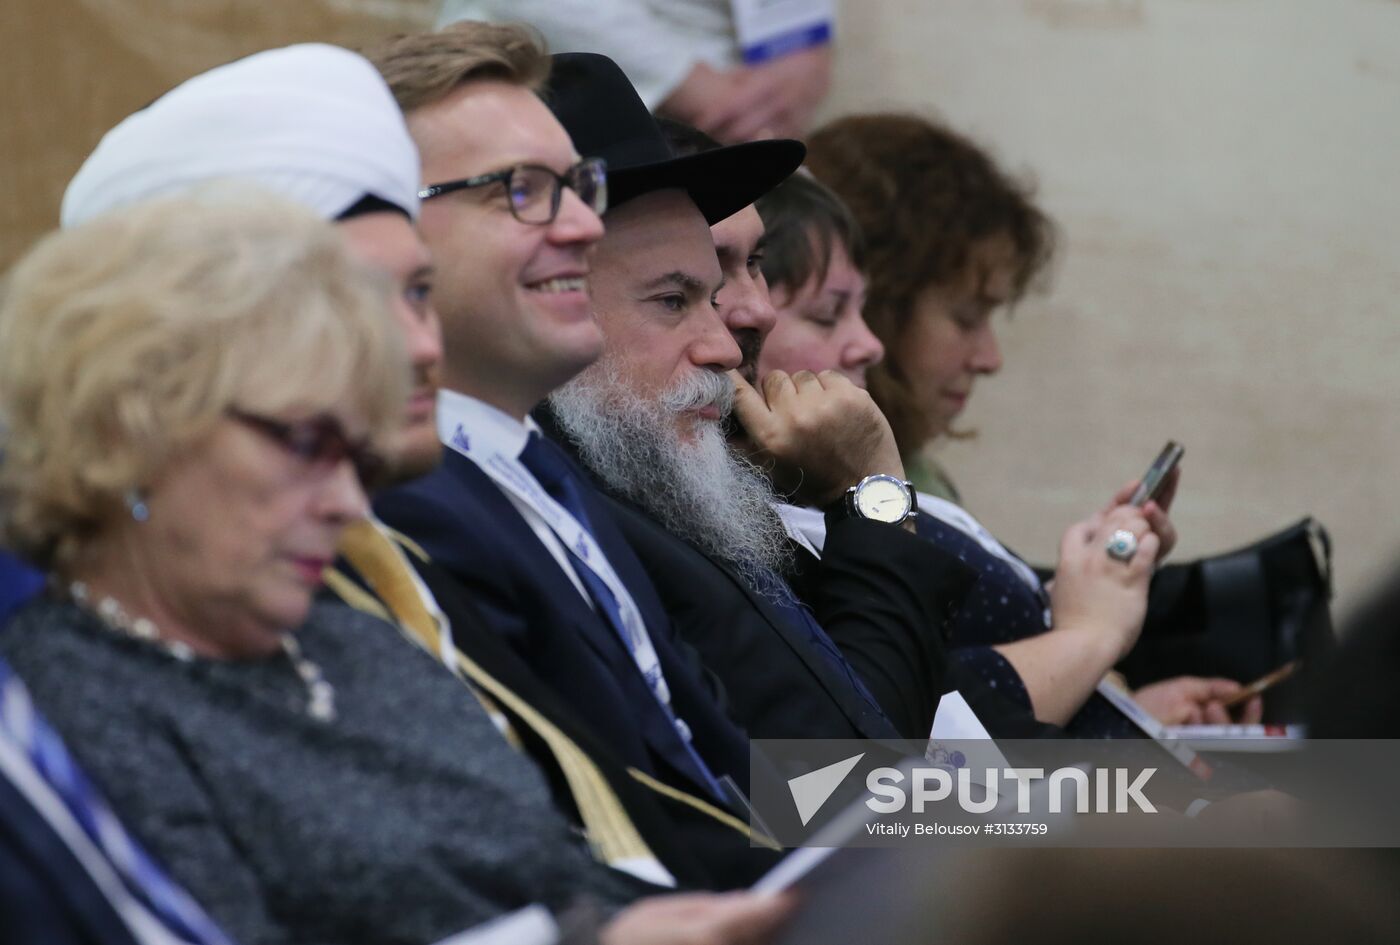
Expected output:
(702, 491)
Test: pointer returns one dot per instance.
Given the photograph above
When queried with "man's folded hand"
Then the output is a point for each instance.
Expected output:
(817, 434)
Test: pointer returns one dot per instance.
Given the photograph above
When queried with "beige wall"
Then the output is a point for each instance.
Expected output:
(73, 68)
(1227, 174)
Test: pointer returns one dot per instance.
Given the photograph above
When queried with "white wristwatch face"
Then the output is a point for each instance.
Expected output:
(882, 498)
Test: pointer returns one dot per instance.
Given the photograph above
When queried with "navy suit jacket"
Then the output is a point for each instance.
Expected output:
(469, 528)
(779, 684)
(45, 893)
(18, 583)
(880, 593)
(699, 850)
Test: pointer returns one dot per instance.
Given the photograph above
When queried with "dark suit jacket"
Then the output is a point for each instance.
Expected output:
(18, 583)
(699, 850)
(472, 531)
(879, 592)
(45, 893)
(779, 685)
(871, 593)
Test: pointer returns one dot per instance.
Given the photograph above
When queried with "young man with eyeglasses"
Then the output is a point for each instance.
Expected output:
(512, 212)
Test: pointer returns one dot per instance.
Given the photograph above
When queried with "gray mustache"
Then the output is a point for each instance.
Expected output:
(700, 389)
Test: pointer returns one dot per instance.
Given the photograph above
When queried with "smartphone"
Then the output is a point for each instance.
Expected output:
(1156, 476)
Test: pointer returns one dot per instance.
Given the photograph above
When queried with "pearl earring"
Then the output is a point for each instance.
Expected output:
(136, 505)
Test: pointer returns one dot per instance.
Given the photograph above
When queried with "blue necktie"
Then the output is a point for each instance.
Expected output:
(21, 724)
(555, 472)
(777, 593)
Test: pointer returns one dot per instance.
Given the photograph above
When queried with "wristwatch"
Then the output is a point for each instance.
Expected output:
(880, 498)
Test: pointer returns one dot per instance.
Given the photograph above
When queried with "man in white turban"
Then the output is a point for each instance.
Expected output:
(312, 122)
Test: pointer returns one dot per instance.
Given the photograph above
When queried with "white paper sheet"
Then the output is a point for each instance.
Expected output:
(956, 722)
(532, 925)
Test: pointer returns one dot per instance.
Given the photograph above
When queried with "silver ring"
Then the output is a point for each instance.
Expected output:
(1122, 545)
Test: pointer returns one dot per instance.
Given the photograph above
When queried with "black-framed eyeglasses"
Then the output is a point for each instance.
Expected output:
(535, 191)
(320, 441)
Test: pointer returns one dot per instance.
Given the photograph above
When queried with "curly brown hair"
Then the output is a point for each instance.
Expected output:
(924, 197)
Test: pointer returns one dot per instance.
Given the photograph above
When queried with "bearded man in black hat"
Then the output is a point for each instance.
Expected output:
(646, 419)
(872, 606)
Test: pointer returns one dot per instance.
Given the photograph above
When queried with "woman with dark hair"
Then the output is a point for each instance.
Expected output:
(952, 239)
(816, 264)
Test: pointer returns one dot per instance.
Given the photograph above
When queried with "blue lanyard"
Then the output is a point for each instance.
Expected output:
(22, 725)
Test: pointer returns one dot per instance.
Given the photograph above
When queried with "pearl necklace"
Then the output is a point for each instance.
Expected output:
(320, 694)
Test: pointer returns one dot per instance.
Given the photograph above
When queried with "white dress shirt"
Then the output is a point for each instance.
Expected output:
(655, 42)
(497, 430)
(494, 441)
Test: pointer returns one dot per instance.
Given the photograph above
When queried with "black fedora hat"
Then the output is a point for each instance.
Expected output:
(605, 117)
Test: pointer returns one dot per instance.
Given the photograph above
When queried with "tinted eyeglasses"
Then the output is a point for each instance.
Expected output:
(535, 192)
(319, 441)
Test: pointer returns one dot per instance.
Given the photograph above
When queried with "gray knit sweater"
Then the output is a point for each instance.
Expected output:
(404, 820)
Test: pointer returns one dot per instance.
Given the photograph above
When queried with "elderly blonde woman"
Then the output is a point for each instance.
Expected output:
(193, 395)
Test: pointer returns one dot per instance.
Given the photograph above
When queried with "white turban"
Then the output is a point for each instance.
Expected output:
(313, 123)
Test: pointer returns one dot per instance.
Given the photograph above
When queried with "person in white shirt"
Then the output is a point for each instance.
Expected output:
(686, 58)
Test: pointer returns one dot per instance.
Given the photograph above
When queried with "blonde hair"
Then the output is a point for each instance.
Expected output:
(124, 341)
(423, 68)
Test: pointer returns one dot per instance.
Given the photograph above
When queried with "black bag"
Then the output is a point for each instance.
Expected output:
(1241, 615)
